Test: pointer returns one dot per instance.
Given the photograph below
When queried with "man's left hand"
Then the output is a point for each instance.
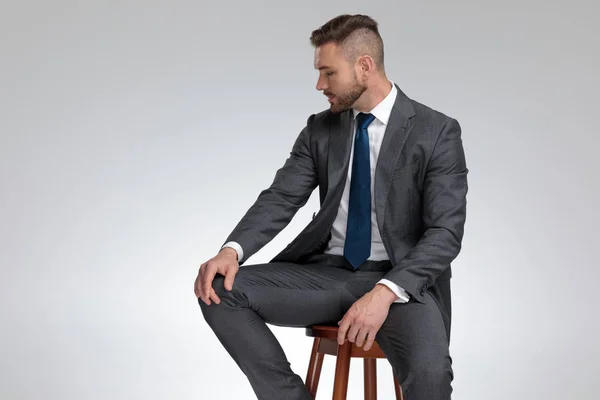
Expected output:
(363, 320)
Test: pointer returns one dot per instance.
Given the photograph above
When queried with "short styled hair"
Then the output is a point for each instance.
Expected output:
(357, 35)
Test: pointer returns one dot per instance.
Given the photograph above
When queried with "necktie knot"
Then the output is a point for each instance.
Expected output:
(364, 120)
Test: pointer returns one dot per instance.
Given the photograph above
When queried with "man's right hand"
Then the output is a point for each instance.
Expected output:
(224, 263)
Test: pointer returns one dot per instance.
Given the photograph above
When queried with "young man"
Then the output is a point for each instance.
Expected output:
(375, 259)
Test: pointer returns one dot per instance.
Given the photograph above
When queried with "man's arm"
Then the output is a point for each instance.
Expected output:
(444, 213)
(276, 206)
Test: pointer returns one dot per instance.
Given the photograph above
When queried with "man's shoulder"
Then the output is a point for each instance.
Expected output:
(430, 121)
(323, 117)
(429, 113)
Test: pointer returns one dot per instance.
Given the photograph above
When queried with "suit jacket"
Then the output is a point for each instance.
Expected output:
(420, 195)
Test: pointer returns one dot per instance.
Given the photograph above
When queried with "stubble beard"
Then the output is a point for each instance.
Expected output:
(345, 101)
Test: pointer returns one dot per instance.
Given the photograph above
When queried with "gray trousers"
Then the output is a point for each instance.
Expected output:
(413, 337)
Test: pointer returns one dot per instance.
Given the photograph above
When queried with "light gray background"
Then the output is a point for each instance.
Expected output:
(134, 135)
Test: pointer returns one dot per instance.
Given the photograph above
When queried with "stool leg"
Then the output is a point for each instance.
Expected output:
(398, 390)
(314, 368)
(370, 378)
(342, 371)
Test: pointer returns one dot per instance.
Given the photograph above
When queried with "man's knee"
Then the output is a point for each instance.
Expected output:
(432, 372)
(229, 298)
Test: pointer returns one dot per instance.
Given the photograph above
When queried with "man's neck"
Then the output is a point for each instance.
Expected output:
(373, 95)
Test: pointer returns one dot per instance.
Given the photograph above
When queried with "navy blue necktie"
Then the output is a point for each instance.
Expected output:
(357, 248)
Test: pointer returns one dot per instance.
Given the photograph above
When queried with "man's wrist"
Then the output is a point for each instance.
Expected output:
(386, 293)
(229, 251)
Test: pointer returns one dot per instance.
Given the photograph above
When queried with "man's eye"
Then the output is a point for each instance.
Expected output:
(328, 73)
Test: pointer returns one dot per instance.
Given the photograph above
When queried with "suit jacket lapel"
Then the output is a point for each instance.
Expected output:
(340, 144)
(394, 138)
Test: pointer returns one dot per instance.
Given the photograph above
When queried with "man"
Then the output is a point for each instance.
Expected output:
(392, 181)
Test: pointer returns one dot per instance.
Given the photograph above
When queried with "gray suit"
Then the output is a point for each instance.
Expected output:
(420, 203)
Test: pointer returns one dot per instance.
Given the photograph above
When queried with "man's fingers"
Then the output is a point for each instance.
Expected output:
(213, 296)
(197, 286)
(198, 282)
(207, 282)
(229, 277)
(370, 339)
(353, 331)
(361, 336)
(344, 325)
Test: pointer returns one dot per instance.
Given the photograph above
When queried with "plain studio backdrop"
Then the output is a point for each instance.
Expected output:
(134, 136)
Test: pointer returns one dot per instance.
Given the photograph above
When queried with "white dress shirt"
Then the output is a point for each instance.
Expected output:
(376, 132)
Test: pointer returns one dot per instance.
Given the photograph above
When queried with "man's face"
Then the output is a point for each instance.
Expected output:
(338, 78)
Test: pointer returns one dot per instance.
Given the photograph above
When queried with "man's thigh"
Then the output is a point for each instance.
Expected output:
(287, 294)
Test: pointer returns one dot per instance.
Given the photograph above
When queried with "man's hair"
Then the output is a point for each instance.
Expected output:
(357, 35)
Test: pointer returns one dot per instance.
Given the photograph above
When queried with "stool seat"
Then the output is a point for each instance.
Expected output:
(331, 346)
(325, 342)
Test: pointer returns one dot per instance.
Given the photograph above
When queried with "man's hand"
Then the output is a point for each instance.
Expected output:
(224, 263)
(365, 317)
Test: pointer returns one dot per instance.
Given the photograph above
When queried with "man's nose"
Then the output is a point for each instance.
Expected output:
(321, 84)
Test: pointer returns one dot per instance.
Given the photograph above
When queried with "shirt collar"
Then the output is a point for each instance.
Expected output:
(383, 110)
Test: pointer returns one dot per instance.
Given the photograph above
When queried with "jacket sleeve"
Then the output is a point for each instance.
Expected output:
(275, 206)
(444, 213)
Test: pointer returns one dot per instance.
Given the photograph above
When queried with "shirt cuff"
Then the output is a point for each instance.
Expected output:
(403, 297)
(236, 247)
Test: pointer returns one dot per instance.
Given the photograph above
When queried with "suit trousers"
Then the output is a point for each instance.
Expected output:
(320, 291)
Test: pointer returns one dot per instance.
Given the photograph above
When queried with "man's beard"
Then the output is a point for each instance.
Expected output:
(344, 101)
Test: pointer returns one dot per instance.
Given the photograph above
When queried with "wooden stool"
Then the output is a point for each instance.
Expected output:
(326, 343)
